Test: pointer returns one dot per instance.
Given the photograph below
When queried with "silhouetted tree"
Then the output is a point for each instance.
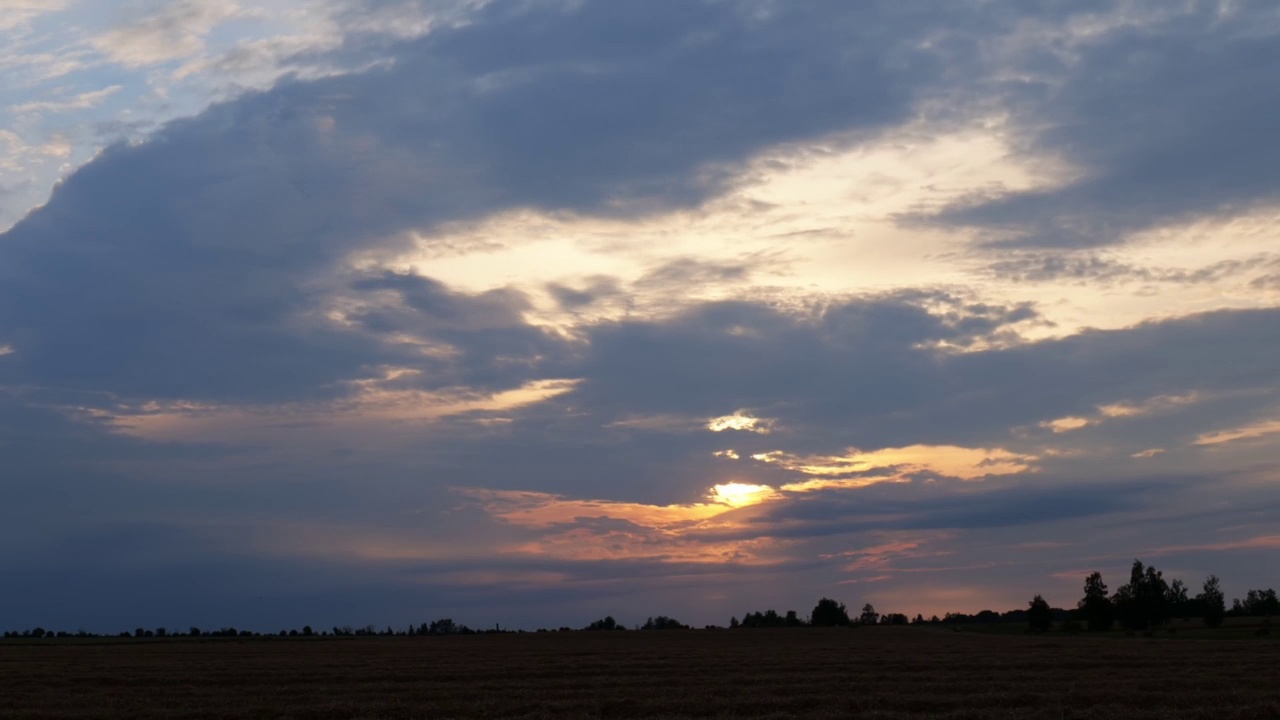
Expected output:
(1211, 601)
(607, 623)
(766, 619)
(1095, 606)
(1179, 603)
(307, 631)
(893, 619)
(1039, 615)
(869, 615)
(446, 626)
(1143, 604)
(662, 622)
(1261, 603)
(829, 613)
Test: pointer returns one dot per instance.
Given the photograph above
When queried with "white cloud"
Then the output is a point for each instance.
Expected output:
(740, 421)
(175, 32)
(15, 14)
(1255, 431)
(16, 153)
(83, 101)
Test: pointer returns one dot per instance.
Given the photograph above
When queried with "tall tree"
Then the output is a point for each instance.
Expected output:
(1039, 614)
(1212, 602)
(1144, 603)
(1095, 606)
(1179, 603)
(869, 615)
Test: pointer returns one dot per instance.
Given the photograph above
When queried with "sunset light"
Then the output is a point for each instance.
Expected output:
(737, 494)
(525, 314)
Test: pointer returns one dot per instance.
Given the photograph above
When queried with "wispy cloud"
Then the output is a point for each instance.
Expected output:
(175, 30)
(82, 101)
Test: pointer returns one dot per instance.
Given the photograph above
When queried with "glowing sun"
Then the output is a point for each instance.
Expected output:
(737, 494)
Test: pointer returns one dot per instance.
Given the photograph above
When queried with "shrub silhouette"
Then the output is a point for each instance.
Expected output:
(829, 613)
(869, 615)
(1039, 615)
(607, 623)
(1260, 603)
(768, 619)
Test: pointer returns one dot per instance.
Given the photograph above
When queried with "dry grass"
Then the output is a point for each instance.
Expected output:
(865, 673)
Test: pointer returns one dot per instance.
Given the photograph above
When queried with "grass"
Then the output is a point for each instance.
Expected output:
(804, 673)
(1233, 628)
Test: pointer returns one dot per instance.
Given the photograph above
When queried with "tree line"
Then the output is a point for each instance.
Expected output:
(1144, 604)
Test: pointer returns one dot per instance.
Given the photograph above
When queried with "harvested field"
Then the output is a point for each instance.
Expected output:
(802, 673)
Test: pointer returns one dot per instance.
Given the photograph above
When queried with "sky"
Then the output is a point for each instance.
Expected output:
(532, 311)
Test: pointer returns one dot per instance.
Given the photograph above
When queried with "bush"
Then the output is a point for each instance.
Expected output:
(1039, 615)
(829, 613)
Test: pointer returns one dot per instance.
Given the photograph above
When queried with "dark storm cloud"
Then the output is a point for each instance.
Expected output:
(1167, 117)
(596, 289)
(868, 373)
(496, 347)
(950, 505)
(195, 264)
(851, 367)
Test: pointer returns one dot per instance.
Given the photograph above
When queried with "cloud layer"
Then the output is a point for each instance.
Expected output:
(640, 308)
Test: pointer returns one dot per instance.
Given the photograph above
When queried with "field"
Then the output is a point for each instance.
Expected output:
(802, 673)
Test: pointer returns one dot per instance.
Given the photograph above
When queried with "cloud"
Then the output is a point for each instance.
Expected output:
(1092, 268)
(221, 367)
(318, 171)
(1158, 110)
(82, 101)
(15, 14)
(172, 31)
(1248, 432)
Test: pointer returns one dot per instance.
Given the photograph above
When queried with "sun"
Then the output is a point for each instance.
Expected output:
(736, 494)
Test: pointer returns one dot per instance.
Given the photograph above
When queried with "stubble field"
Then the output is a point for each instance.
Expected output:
(802, 673)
